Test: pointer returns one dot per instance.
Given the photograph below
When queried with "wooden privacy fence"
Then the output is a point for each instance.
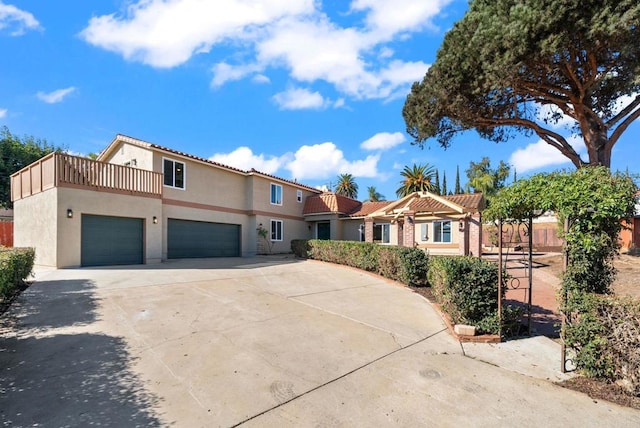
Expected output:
(6, 233)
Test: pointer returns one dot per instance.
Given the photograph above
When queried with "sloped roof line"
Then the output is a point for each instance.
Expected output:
(145, 144)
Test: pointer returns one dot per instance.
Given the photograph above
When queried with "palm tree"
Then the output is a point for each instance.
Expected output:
(347, 186)
(416, 179)
(374, 195)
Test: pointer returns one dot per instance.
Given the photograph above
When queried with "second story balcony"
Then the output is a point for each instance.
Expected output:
(63, 170)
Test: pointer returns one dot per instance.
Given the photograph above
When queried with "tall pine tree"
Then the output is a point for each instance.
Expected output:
(437, 184)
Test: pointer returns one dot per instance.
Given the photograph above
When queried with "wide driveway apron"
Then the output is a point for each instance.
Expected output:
(264, 341)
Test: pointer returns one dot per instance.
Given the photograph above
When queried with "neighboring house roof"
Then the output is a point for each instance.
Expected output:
(123, 138)
(329, 203)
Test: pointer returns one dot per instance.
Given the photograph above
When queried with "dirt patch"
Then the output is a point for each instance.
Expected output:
(627, 282)
(602, 391)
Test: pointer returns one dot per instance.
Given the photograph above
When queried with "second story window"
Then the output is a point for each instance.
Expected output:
(276, 194)
(299, 196)
(173, 173)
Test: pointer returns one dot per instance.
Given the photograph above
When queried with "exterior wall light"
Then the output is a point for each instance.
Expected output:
(69, 213)
(155, 220)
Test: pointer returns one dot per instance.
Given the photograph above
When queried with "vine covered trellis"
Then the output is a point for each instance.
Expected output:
(590, 204)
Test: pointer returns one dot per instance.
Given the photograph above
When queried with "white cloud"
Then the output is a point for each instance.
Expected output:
(260, 78)
(541, 154)
(17, 19)
(243, 158)
(55, 96)
(3, 112)
(325, 160)
(383, 141)
(549, 110)
(223, 73)
(167, 33)
(391, 17)
(265, 34)
(299, 99)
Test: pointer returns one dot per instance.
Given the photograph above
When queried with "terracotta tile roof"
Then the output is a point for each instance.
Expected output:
(329, 202)
(369, 207)
(471, 202)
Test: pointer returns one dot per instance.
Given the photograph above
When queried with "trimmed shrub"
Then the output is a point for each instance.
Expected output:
(300, 248)
(403, 264)
(467, 289)
(406, 265)
(16, 265)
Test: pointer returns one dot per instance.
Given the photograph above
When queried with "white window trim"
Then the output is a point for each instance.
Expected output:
(184, 174)
(440, 237)
(281, 230)
(281, 193)
(299, 196)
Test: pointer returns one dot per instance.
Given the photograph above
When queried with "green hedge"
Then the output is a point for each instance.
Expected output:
(16, 265)
(467, 289)
(403, 264)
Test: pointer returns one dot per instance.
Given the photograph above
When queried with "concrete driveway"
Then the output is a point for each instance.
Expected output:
(265, 341)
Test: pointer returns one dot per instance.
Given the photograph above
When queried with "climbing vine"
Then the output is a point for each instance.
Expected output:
(590, 204)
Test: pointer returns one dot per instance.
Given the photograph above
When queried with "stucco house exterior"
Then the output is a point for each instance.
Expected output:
(139, 202)
(439, 224)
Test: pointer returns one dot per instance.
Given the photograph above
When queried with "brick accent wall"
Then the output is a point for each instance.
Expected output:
(400, 233)
(368, 230)
(409, 237)
(474, 226)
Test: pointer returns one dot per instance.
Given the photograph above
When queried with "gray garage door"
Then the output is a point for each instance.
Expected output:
(191, 239)
(111, 240)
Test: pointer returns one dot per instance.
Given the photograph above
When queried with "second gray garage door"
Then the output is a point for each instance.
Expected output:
(193, 239)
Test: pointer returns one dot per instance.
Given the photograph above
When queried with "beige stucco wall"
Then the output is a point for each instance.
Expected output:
(41, 222)
(350, 229)
(106, 204)
(127, 152)
(205, 184)
(34, 225)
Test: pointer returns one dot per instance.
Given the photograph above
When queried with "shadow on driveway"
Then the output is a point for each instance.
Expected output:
(55, 373)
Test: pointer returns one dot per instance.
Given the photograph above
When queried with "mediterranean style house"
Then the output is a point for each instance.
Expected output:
(139, 202)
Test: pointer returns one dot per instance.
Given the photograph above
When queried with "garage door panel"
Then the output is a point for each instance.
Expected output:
(109, 240)
(194, 239)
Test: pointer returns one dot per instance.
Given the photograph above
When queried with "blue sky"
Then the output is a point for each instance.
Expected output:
(302, 89)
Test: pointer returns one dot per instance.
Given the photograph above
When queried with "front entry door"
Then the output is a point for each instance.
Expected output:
(324, 231)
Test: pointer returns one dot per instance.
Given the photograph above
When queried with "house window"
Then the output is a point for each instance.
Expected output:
(276, 194)
(299, 195)
(381, 233)
(424, 231)
(173, 173)
(276, 230)
(442, 231)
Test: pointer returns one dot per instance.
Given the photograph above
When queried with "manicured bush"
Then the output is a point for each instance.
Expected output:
(406, 265)
(467, 290)
(300, 248)
(16, 265)
(403, 264)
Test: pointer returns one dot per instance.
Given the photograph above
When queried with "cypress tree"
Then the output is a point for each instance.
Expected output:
(458, 189)
(444, 182)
